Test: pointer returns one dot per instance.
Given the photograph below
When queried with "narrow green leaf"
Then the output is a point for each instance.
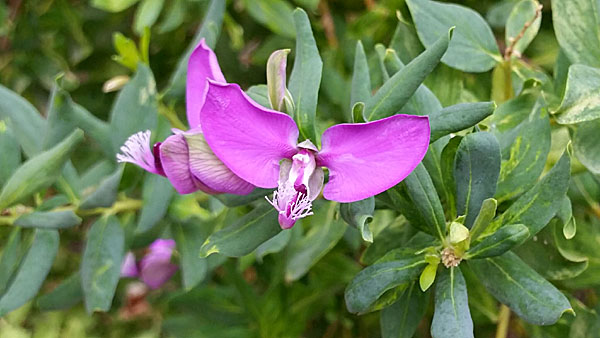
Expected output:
(10, 153)
(128, 54)
(525, 292)
(393, 236)
(9, 258)
(113, 5)
(458, 117)
(106, 194)
(209, 30)
(48, 219)
(305, 79)
(476, 170)
(276, 15)
(402, 318)
(452, 317)
(359, 214)
(447, 168)
(276, 79)
(375, 280)
(473, 48)
(173, 17)
(361, 79)
(423, 101)
(487, 212)
(232, 201)
(245, 235)
(424, 196)
(396, 92)
(39, 172)
(66, 295)
(157, 193)
(32, 271)
(101, 263)
(405, 40)
(189, 237)
(572, 20)
(146, 14)
(260, 94)
(523, 13)
(582, 96)
(23, 120)
(537, 206)
(136, 107)
(273, 245)
(321, 238)
(499, 242)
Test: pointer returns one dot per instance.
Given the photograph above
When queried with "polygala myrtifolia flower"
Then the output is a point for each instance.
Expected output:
(242, 145)
(155, 268)
(261, 146)
(185, 158)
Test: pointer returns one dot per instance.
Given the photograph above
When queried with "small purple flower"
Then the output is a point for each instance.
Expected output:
(155, 268)
(261, 147)
(185, 158)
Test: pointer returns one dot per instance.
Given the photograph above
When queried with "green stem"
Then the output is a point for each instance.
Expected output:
(503, 321)
(170, 115)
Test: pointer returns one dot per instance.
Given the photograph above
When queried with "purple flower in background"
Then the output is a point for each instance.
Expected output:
(185, 158)
(261, 147)
(155, 268)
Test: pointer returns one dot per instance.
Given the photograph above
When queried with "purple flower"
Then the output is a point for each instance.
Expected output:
(261, 147)
(155, 268)
(185, 158)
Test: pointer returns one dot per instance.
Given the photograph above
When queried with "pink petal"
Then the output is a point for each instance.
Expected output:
(174, 156)
(202, 65)
(137, 150)
(248, 138)
(207, 167)
(369, 158)
(156, 267)
(129, 267)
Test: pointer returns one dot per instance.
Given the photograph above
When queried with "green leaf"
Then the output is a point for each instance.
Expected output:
(458, 232)
(305, 79)
(101, 263)
(373, 281)
(32, 271)
(484, 218)
(106, 194)
(582, 96)
(209, 30)
(575, 25)
(136, 107)
(48, 219)
(524, 291)
(405, 40)
(39, 172)
(358, 214)
(113, 5)
(537, 206)
(499, 242)
(260, 94)
(476, 170)
(523, 13)
(391, 237)
(523, 131)
(157, 193)
(66, 295)
(397, 91)
(273, 14)
(174, 16)
(128, 53)
(458, 117)
(424, 196)
(447, 168)
(452, 317)
(428, 276)
(64, 116)
(9, 258)
(23, 120)
(189, 237)
(472, 49)
(423, 102)
(10, 153)
(273, 245)
(361, 79)
(146, 14)
(232, 201)
(276, 79)
(321, 238)
(245, 235)
(402, 318)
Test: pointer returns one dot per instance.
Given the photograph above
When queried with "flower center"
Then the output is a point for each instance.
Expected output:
(300, 182)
